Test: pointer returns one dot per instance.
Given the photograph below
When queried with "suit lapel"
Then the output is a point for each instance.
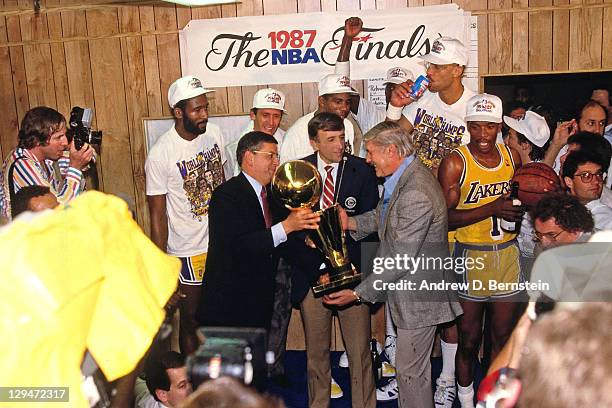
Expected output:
(401, 182)
(252, 196)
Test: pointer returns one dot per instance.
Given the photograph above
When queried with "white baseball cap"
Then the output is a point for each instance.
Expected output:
(184, 88)
(269, 99)
(397, 75)
(532, 126)
(334, 84)
(446, 50)
(484, 108)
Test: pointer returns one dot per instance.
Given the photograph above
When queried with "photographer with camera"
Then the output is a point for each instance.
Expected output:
(42, 143)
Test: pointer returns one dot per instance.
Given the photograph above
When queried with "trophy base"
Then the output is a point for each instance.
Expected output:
(337, 281)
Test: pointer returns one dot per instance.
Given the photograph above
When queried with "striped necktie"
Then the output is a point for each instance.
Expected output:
(328, 189)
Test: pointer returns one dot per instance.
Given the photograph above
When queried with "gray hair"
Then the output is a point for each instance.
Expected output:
(390, 133)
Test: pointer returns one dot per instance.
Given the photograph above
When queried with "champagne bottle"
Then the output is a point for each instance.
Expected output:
(512, 226)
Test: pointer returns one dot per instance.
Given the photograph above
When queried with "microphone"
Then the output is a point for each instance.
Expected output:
(344, 159)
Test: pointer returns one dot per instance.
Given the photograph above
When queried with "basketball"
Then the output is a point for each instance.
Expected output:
(536, 180)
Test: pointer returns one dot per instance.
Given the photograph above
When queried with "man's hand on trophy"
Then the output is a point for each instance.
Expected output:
(323, 279)
(300, 219)
(347, 222)
(341, 298)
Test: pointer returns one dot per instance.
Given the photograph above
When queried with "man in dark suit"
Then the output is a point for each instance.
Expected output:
(246, 232)
(349, 181)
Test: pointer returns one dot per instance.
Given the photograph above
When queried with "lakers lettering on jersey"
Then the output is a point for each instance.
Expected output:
(480, 186)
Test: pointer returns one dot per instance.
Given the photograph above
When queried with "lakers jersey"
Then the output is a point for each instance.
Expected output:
(482, 185)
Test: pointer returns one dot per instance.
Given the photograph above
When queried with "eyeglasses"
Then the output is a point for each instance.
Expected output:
(587, 176)
(550, 236)
(271, 155)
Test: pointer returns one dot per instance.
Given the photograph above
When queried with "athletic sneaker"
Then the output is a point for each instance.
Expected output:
(336, 391)
(445, 394)
(343, 360)
(387, 392)
(390, 347)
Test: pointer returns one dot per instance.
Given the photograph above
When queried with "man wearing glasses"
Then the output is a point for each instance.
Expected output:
(583, 175)
(561, 219)
(246, 233)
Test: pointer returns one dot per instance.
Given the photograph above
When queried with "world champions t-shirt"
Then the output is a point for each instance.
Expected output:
(438, 127)
(186, 172)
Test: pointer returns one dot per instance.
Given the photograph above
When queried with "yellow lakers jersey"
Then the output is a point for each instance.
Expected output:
(479, 186)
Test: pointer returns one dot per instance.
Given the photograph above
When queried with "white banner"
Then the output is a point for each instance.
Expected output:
(294, 48)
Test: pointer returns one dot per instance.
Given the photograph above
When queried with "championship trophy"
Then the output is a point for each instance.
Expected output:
(297, 184)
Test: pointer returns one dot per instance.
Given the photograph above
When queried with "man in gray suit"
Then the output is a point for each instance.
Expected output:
(411, 221)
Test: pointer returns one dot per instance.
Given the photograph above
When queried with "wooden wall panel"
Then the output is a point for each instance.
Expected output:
(156, 102)
(585, 37)
(520, 38)
(500, 38)
(110, 104)
(9, 125)
(606, 57)
(136, 107)
(540, 37)
(169, 61)
(217, 100)
(37, 59)
(18, 66)
(58, 58)
(78, 64)
(561, 22)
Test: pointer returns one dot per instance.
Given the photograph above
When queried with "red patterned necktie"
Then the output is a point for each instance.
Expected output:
(328, 189)
(266, 208)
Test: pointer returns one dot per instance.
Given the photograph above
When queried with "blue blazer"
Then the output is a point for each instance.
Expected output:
(357, 193)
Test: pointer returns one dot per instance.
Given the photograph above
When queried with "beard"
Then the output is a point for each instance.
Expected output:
(192, 127)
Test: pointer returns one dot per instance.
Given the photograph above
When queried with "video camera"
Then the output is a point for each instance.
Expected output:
(80, 128)
(230, 352)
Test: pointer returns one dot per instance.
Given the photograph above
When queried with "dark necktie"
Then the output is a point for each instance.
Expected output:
(266, 208)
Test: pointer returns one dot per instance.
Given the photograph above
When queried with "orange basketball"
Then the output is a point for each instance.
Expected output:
(536, 180)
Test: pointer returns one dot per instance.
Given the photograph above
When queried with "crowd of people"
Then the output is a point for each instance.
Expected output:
(430, 176)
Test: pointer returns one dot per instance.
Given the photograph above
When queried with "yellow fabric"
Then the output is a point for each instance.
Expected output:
(499, 265)
(480, 186)
(80, 277)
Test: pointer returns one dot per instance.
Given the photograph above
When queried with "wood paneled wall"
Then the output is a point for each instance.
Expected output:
(120, 60)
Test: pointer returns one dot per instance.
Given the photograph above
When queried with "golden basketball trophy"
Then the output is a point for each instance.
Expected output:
(297, 184)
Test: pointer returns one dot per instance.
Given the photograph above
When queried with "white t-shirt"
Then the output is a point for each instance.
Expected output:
(186, 172)
(296, 144)
(602, 215)
(439, 128)
(369, 115)
(230, 149)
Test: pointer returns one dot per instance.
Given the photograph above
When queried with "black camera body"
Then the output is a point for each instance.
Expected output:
(230, 352)
(80, 128)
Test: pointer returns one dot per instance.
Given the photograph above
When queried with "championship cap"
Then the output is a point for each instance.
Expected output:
(446, 50)
(184, 88)
(269, 99)
(484, 108)
(334, 84)
(397, 75)
(532, 126)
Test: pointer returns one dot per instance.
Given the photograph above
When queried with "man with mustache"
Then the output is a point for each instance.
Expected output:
(179, 170)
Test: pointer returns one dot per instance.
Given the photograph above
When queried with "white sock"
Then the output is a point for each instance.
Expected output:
(466, 395)
(389, 326)
(448, 359)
